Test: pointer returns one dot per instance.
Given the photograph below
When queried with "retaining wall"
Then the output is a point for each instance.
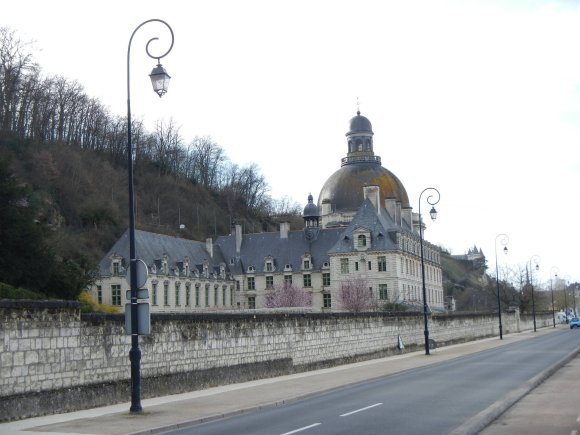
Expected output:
(54, 359)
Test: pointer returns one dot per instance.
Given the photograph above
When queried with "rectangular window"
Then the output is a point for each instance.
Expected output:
(326, 300)
(116, 294)
(251, 283)
(251, 302)
(154, 294)
(369, 266)
(197, 295)
(187, 294)
(231, 295)
(166, 294)
(383, 294)
(269, 266)
(99, 294)
(207, 295)
(307, 280)
(382, 263)
(344, 265)
(306, 264)
(177, 291)
(287, 279)
(224, 295)
(116, 268)
(238, 285)
(269, 282)
(326, 279)
(215, 295)
(356, 265)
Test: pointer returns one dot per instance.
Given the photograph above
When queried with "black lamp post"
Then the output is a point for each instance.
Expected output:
(160, 82)
(431, 201)
(536, 260)
(504, 241)
(553, 270)
(566, 303)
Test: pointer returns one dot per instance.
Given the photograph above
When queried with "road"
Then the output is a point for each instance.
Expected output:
(435, 399)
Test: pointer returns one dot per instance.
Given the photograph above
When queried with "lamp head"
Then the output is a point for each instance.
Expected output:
(433, 213)
(505, 250)
(537, 266)
(160, 80)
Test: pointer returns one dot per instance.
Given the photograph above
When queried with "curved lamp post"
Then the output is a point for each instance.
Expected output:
(431, 201)
(504, 239)
(160, 82)
(536, 260)
(554, 270)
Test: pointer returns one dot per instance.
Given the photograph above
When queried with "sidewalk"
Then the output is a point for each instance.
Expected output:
(182, 410)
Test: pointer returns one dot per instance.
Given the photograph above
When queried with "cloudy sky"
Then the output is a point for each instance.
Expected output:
(480, 99)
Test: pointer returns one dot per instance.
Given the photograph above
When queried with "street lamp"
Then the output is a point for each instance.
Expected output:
(160, 81)
(553, 270)
(566, 302)
(536, 260)
(504, 241)
(431, 201)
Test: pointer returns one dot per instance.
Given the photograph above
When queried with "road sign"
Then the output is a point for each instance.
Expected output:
(143, 319)
(142, 293)
(142, 273)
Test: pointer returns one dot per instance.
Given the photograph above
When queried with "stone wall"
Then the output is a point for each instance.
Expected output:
(55, 359)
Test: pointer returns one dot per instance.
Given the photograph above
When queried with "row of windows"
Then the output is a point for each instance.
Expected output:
(306, 281)
(197, 296)
(415, 293)
(381, 265)
(413, 268)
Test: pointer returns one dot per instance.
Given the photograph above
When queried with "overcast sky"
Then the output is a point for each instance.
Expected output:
(480, 99)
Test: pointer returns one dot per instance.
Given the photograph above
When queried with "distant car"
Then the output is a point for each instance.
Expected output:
(575, 322)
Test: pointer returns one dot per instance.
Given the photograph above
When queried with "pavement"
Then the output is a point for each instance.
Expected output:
(182, 410)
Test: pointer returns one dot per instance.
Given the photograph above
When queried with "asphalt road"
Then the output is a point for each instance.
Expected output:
(435, 399)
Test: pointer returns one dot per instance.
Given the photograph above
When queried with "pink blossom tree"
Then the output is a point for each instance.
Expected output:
(355, 295)
(288, 295)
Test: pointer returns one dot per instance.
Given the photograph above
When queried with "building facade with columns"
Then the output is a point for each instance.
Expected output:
(362, 228)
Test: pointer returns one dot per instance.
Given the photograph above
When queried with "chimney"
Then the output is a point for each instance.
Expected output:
(238, 238)
(284, 230)
(390, 206)
(326, 207)
(408, 215)
(209, 247)
(373, 194)
(398, 213)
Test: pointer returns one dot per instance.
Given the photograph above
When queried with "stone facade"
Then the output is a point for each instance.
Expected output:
(54, 359)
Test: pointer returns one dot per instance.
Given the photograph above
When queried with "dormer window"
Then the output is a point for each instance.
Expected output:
(269, 266)
(116, 268)
(306, 264)
(362, 241)
(186, 269)
(251, 269)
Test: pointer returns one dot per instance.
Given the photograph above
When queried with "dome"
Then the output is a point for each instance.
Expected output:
(310, 210)
(360, 168)
(344, 188)
(360, 124)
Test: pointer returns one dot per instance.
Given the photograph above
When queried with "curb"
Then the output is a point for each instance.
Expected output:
(480, 421)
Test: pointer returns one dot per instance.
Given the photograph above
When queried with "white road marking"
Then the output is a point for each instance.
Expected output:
(302, 428)
(362, 409)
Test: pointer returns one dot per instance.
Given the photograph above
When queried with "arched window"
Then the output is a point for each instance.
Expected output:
(362, 241)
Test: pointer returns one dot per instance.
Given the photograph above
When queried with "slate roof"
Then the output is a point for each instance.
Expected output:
(381, 227)
(256, 247)
(151, 247)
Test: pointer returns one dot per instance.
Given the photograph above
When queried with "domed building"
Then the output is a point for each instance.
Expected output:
(363, 231)
(342, 194)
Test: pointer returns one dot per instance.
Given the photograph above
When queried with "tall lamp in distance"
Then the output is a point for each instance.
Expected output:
(536, 260)
(553, 271)
(504, 239)
(431, 200)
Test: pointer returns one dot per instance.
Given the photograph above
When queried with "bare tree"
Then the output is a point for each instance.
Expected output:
(355, 296)
(288, 295)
